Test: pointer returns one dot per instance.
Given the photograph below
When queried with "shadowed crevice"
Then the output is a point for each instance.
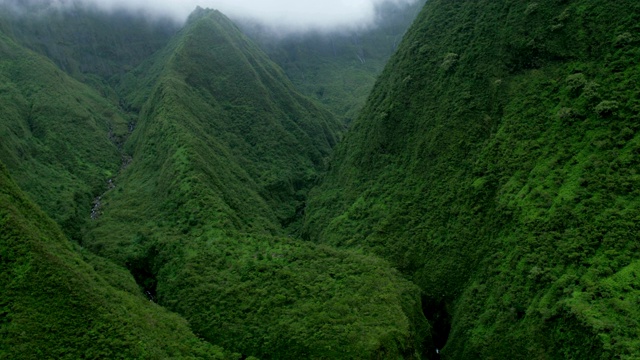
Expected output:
(440, 321)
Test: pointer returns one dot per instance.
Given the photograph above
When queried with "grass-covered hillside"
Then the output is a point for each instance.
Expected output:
(496, 165)
(61, 302)
(223, 155)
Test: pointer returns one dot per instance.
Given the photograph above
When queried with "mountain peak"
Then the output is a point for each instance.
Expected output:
(201, 12)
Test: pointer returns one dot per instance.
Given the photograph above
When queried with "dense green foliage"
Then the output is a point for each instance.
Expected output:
(223, 155)
(287, 299)
(60, 302)
(496, 164)
(89, 44)
(56, 135)
(222, 140)
(202, 157)
(338, 68)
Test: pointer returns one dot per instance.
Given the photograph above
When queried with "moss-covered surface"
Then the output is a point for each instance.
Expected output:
(281, 298)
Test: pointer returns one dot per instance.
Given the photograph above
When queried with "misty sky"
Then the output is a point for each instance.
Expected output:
(283, 14)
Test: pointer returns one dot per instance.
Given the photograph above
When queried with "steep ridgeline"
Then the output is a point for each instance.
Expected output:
(222, 137)
(58, 135)
(223, 156)
(338, 68)
(496, 164)
(57, 302)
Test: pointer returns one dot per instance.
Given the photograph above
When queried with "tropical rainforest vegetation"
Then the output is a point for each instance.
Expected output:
(183, 168)
(203, 191)
(495, 165)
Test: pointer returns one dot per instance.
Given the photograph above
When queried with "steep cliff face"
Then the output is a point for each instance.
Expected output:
(495, 164)
(484, 205)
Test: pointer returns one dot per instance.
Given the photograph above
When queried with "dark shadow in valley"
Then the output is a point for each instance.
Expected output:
(440, 321)
(142, 269)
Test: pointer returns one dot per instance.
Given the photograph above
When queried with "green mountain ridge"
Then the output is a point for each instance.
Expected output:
(494, 165)
(58, 300)
(201, 197)
(201, 157)
(220, 123)
(223, 154)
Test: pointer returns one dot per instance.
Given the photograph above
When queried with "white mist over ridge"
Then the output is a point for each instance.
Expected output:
(286, 15)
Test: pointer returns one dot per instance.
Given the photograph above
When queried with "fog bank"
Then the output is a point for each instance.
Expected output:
(287, 15)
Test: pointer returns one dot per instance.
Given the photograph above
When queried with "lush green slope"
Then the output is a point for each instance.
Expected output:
(89, 44)
(58, 136)
(222, 137)
(223, 155)
(338, 68)
(57, 302)
(286, 299)
(496, 164)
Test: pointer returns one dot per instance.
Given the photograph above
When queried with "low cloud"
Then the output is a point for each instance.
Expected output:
(278, 14)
